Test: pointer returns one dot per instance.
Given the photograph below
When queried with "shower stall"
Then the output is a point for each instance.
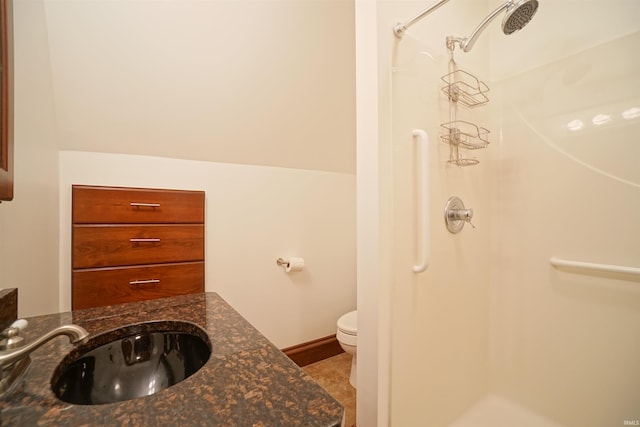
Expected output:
(531, 318)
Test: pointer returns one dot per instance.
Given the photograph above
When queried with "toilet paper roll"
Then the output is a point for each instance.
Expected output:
(294, 264)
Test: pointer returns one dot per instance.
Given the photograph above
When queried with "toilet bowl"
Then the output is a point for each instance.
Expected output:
(347, 336)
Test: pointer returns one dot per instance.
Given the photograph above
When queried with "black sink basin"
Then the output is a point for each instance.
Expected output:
(130, 362)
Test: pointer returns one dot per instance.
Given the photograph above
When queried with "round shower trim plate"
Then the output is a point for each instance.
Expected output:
(453, 204)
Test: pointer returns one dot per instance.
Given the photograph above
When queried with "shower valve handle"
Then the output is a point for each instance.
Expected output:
(455, 215)
(467, 215)
(461, 214)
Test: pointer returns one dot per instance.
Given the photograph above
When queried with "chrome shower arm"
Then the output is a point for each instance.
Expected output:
(400, 28)
(466, 44)
(519, 13)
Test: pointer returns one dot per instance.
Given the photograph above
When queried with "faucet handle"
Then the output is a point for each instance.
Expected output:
(21, 324)
(12, 338)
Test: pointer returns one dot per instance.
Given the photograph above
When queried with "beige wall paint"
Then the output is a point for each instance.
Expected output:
(29, 223)
(249, 82)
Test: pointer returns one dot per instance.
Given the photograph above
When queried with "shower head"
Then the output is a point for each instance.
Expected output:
(519, 13)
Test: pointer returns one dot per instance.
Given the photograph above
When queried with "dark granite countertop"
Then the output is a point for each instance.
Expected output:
(247, 381)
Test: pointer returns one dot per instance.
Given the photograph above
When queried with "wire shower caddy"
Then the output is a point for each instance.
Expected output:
(463, 88)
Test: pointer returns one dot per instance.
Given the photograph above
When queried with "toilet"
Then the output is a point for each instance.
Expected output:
(347, 336)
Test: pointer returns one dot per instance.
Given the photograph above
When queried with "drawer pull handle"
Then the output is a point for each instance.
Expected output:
(144, 205)
(144, 282)
(144, 240)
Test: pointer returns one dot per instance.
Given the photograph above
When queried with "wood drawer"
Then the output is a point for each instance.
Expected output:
(121, 245)
(107, 286)
(115, 205)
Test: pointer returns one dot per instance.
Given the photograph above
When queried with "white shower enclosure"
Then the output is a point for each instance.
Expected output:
(491, 333)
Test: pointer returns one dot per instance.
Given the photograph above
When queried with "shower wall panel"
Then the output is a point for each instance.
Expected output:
(568, 185)
(439, 318)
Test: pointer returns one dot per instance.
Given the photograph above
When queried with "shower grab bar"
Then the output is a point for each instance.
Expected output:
(589, 266)
(423, 141)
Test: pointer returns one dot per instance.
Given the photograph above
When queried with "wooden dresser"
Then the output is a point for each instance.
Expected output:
(134, 244)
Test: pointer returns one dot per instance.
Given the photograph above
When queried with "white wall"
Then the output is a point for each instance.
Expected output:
(569, 26)
(373, 266)
(254, 215)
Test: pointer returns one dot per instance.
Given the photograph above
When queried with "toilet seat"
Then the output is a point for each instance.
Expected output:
(348, 323)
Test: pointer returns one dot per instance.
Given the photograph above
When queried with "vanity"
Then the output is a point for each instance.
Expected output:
(246, 380)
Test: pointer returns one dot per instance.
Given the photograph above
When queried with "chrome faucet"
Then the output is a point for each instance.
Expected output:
(14, 353)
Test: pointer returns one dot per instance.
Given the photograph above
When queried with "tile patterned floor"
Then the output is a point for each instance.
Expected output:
(333, 375)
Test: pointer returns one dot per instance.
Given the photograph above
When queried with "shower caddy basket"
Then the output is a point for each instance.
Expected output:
(465, 89)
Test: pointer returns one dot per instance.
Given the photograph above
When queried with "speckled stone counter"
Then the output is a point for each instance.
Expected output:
(246, 382)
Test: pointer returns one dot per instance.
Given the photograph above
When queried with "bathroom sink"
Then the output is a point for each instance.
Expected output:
(130, 362)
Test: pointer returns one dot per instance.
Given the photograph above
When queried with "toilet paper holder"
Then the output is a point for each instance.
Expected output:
(291, 264)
